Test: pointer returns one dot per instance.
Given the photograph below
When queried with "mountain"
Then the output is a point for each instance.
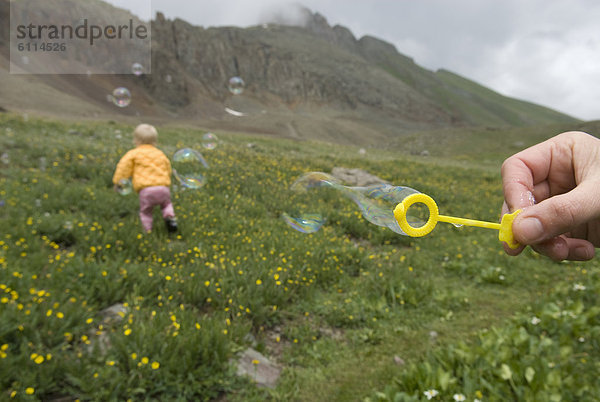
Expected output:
(308, 80)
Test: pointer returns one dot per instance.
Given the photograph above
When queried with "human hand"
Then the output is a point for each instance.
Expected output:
(557, 185)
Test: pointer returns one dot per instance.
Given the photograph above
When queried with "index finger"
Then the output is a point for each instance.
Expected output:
(522, 171)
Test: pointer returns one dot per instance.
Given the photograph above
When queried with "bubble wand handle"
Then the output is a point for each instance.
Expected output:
(468, 222)
(504, 228)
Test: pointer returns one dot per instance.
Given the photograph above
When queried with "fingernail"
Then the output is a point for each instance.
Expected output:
(582, 253)
(530, 230)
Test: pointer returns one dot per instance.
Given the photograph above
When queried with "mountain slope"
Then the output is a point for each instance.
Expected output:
(308, 81)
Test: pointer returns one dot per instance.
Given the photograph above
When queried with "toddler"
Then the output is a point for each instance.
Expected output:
(150, 171)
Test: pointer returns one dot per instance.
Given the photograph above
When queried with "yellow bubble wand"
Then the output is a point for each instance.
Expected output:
(504, 227)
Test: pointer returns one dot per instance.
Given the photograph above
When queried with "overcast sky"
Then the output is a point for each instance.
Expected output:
(543, 51)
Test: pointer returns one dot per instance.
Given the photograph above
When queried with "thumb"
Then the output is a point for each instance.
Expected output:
(557, 215)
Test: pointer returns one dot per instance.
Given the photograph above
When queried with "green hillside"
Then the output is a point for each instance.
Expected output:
(351, 312)
(482, 106)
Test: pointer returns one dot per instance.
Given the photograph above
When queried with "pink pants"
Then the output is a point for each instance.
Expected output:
(151, 197)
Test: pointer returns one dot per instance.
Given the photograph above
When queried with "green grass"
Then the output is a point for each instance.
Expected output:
(333, 308)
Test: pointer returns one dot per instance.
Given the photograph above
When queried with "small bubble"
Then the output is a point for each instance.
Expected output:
(137, 69)
(209, 141)
(124, 187)
(121, 97)
(236, 85)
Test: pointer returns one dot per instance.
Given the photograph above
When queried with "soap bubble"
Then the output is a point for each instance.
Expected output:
(375, 202)
(121, 97)
(188, 167)
(305, 223)
(124, 187)
(236, 85)
(209, 141)
(137, 69)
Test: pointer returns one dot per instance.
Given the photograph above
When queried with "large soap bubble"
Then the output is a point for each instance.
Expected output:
(188, 168)
(376, 202)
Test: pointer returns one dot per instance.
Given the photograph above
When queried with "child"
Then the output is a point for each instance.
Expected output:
(150, 170)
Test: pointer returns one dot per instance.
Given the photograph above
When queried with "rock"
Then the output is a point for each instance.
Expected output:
(355, 177)
(109, 315)
(114, 313)
(399, 361)
(259, 368)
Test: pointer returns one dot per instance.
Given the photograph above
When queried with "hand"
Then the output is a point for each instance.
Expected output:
(557, 184)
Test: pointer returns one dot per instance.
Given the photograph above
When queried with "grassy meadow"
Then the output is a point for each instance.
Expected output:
(353, 312)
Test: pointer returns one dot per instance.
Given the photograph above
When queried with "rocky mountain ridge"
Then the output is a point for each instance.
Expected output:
(307, 81)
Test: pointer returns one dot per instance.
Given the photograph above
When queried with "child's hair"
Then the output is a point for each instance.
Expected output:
(145, 134)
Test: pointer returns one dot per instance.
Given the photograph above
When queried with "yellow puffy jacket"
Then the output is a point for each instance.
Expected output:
(146, 165)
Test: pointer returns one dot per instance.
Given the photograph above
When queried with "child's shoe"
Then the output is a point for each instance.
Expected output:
(171, 223)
